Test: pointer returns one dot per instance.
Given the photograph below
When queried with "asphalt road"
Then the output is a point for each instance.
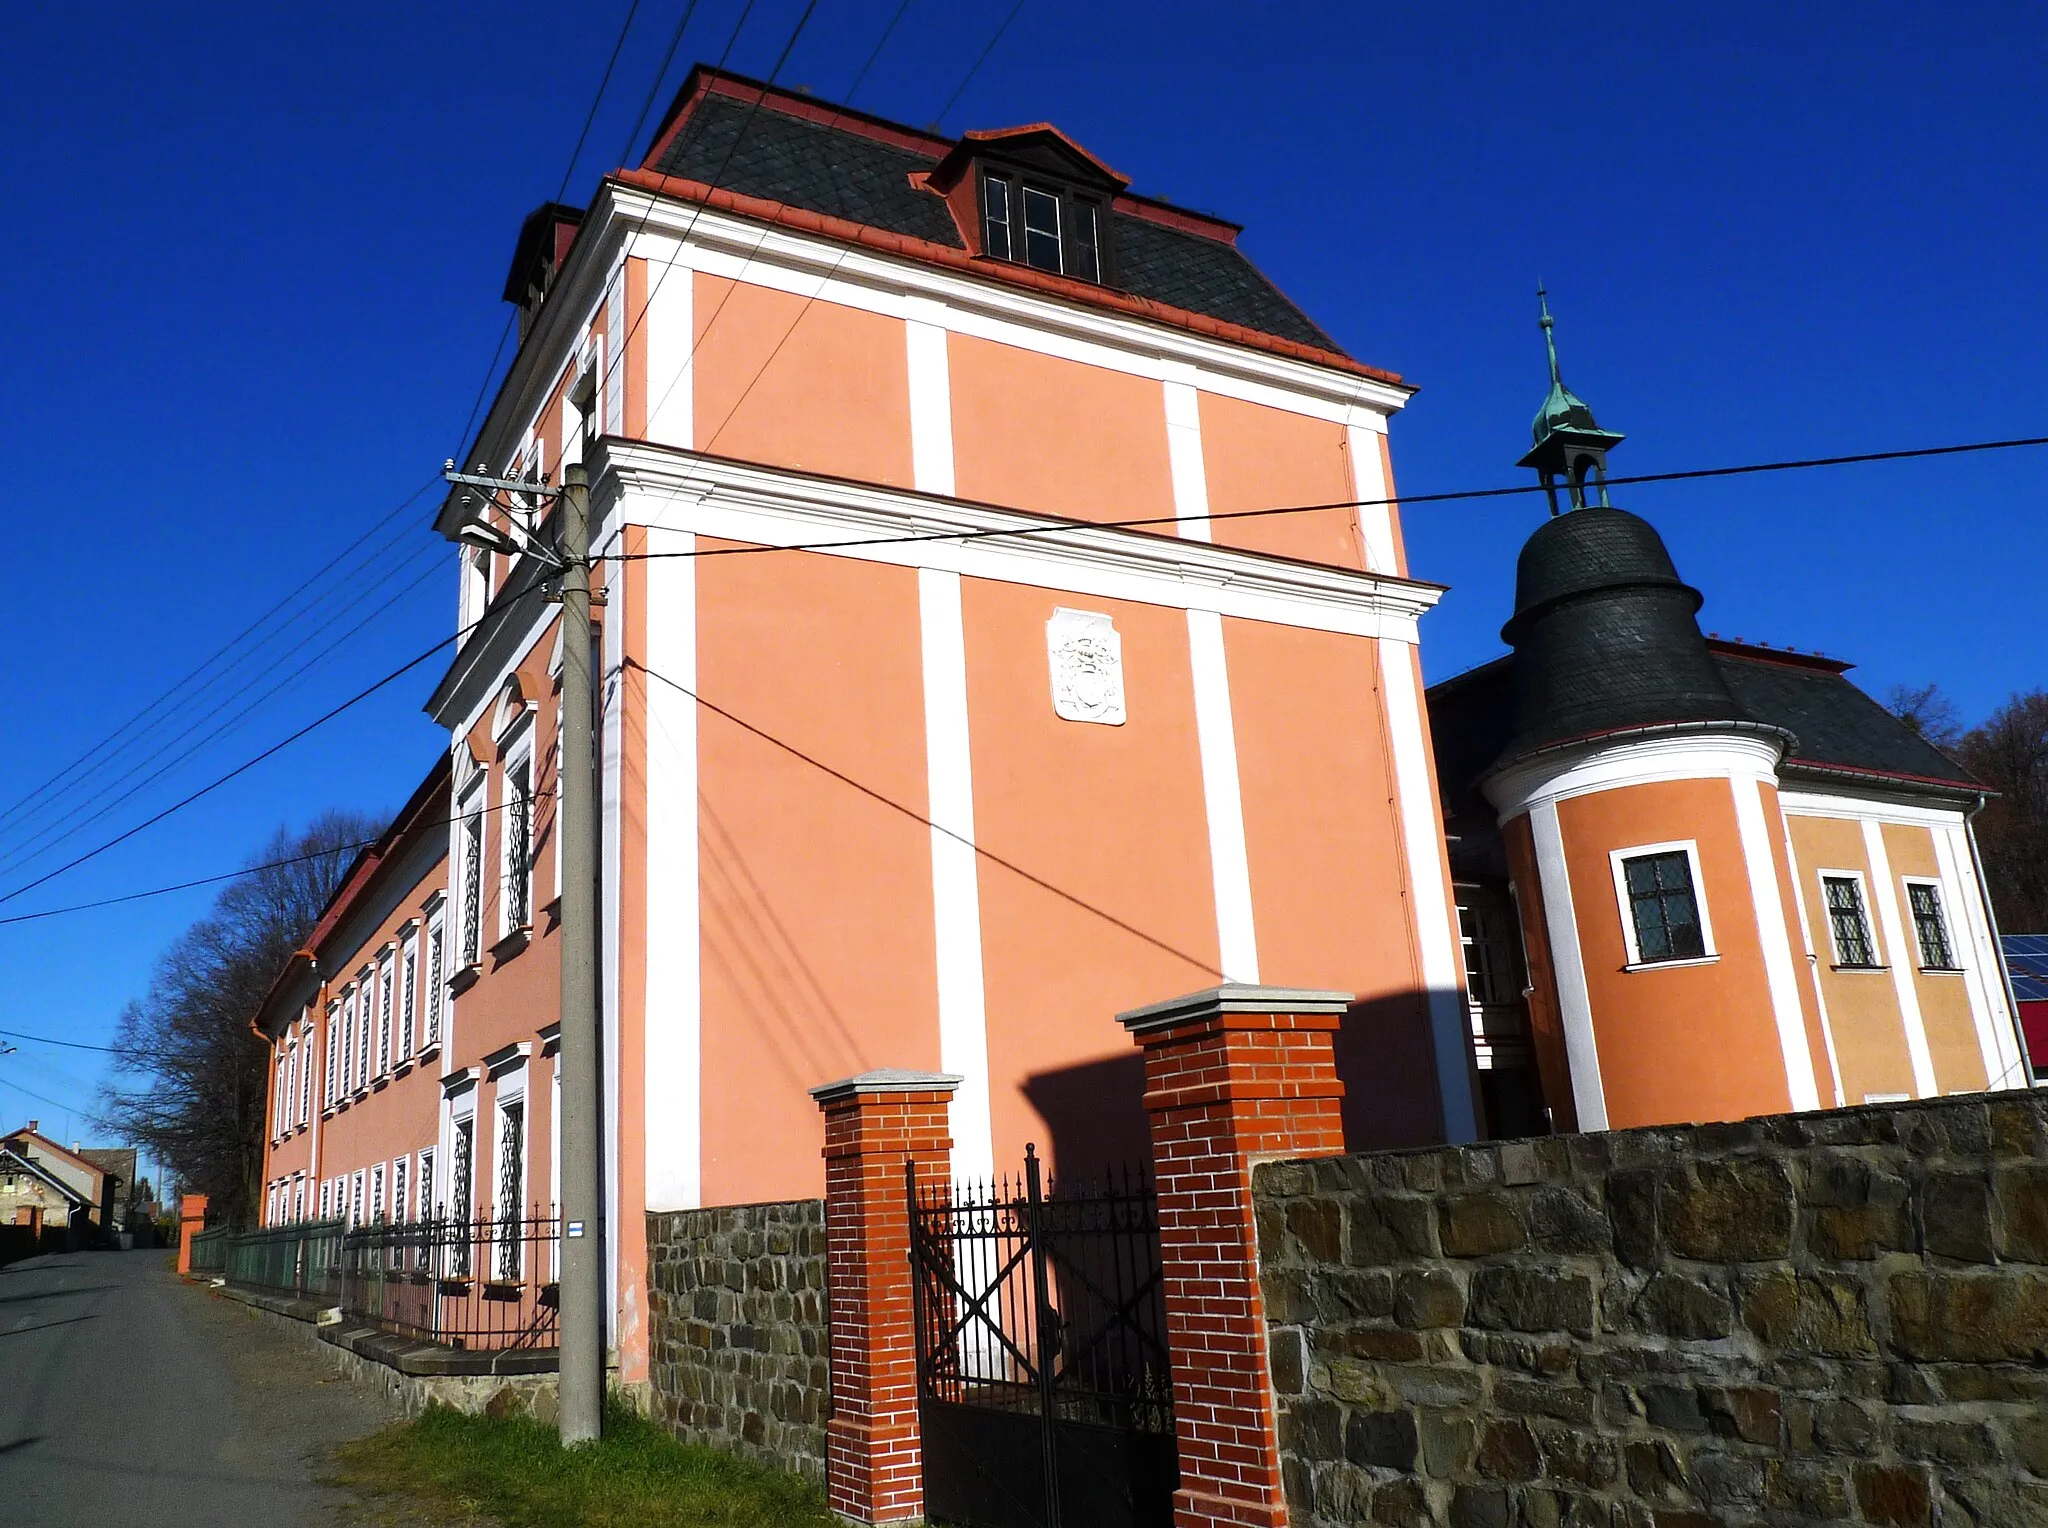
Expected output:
(127, 1397)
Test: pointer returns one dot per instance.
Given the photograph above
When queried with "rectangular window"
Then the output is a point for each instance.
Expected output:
(511, 1183)
(348, 1041)
(995, 218)
(1930, 928)
(384, 1017)
(462, 1140)
(298, 1198)
(377, 1192)
(408, 986)
(1848, 923)
(333, 1048)
(472, 855)
(1087, 252)
(1041, 229)
(518, 844)
(355, 1208)
(308, 1037)
(400, 1198)
(366, 1024)
(323, 1199)
(1663, 906)
(437, 986)
(426, 1186)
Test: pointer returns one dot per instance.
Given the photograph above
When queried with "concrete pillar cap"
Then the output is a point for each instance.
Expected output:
(1232, 997)
(887, 1079)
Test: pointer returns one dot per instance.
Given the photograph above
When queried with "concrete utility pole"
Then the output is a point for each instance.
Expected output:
(581, 1317)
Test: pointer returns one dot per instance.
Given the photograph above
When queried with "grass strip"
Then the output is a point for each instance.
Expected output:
(515, 1472)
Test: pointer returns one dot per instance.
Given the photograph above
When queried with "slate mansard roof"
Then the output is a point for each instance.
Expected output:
(1839, 729)
(776, 147)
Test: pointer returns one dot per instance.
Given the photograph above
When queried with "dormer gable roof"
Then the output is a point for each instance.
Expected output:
(1036, 146)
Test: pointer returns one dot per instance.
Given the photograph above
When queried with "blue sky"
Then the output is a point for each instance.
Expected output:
(256, 251)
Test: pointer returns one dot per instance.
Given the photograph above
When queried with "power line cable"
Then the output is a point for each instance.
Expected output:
(235, 875)
(44, 1098)
(1398, 501)
(243, 768)
(50, 837)
(954, 98)
(16, 1034)
(171, 693)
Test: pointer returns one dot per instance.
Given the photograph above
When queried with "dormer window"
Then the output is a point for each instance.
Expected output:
(1034, 223)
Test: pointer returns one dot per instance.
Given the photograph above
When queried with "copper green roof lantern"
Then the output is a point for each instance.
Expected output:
(1569, 444)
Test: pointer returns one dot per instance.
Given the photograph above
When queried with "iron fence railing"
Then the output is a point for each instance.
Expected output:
(480, 1284)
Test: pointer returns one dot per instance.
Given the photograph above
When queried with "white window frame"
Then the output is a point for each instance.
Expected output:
(408, 1018)
(401, 1186)
(387, 1011)
(518, 758)
(434, 973)
(377, 1184)
(1878, 952)
(333, 1049)
(508, 1088)
(324, 1192)
(355, 1207)
(298, 1197)
(1948, 930)
(366, 1026)
(469, 839)
(308, 1038)
(423, 1182)
(280, 1118)
(1616, 858)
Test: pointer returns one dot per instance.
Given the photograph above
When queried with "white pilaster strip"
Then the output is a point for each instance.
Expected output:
(1429, 894)
(1884, 893)
(613, 408)
(673, 1024)
(949, 769)
(671, 340)
(1780, 974)
(1568, 966)
(1820, 998)
(956, 884)
(2003, 1067)
(1368, 447)
(1184, 452)
(610, 771)
(1230, 865)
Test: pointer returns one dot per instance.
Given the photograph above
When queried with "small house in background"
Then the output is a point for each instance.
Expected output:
(2026, 958)
(43, 1185)
(1698, 879)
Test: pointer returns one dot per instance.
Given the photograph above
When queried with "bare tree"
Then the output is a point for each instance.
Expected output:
(196, 1099)
(2009, 753)
(1928, 712)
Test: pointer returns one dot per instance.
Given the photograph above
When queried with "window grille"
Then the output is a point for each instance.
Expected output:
(1848, 921)
(400, 1198)
(348, 1041)
(437, 994)
(408, 1019)
(1664, 907)
(511, 1184)
(426, 1188)
(519, 846)
(333, 1048)
(458, 1193)
(472, 888)
(384, 1051)
(377, 1192)
(355, 1212)
(1930, 929)
(366, 1020)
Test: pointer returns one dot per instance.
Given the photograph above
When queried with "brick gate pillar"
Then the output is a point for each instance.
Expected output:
(1233, 1076)
(873, 1123)
(191, 1221)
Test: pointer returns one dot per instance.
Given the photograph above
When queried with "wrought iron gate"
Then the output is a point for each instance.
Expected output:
(1043, 1385)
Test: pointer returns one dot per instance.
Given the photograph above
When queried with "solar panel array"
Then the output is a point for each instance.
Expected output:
(2026, 956)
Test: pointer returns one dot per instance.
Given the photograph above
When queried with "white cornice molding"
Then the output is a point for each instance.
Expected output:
(771, 507)
(1596, 766)
(624, 219)
(1878, 806)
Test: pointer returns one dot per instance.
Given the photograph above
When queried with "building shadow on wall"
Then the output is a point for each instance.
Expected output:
(1094, 1112)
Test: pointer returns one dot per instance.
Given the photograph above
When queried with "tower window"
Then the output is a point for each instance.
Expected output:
(1930, 927)
(1664, 919)
(1848, 923)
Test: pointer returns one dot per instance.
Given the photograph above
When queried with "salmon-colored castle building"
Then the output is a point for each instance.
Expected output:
(976, 664)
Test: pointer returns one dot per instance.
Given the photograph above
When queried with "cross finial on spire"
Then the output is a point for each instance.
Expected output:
(1548, 325)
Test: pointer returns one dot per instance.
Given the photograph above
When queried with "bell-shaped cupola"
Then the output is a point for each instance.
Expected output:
(1604, 632)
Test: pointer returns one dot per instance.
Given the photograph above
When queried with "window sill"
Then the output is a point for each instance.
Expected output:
(464, 979)
(1859, 968)
(401, 1069)
(428, 1052)
(512, 943)
(1670, 965)
(1944, 971)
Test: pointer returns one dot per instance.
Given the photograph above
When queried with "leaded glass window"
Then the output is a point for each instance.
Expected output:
(1930, 928)
(1664, 907)
(1848, 922)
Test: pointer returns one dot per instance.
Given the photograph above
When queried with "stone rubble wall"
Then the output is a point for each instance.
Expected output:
(737, 1330)
(1806, 1319)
